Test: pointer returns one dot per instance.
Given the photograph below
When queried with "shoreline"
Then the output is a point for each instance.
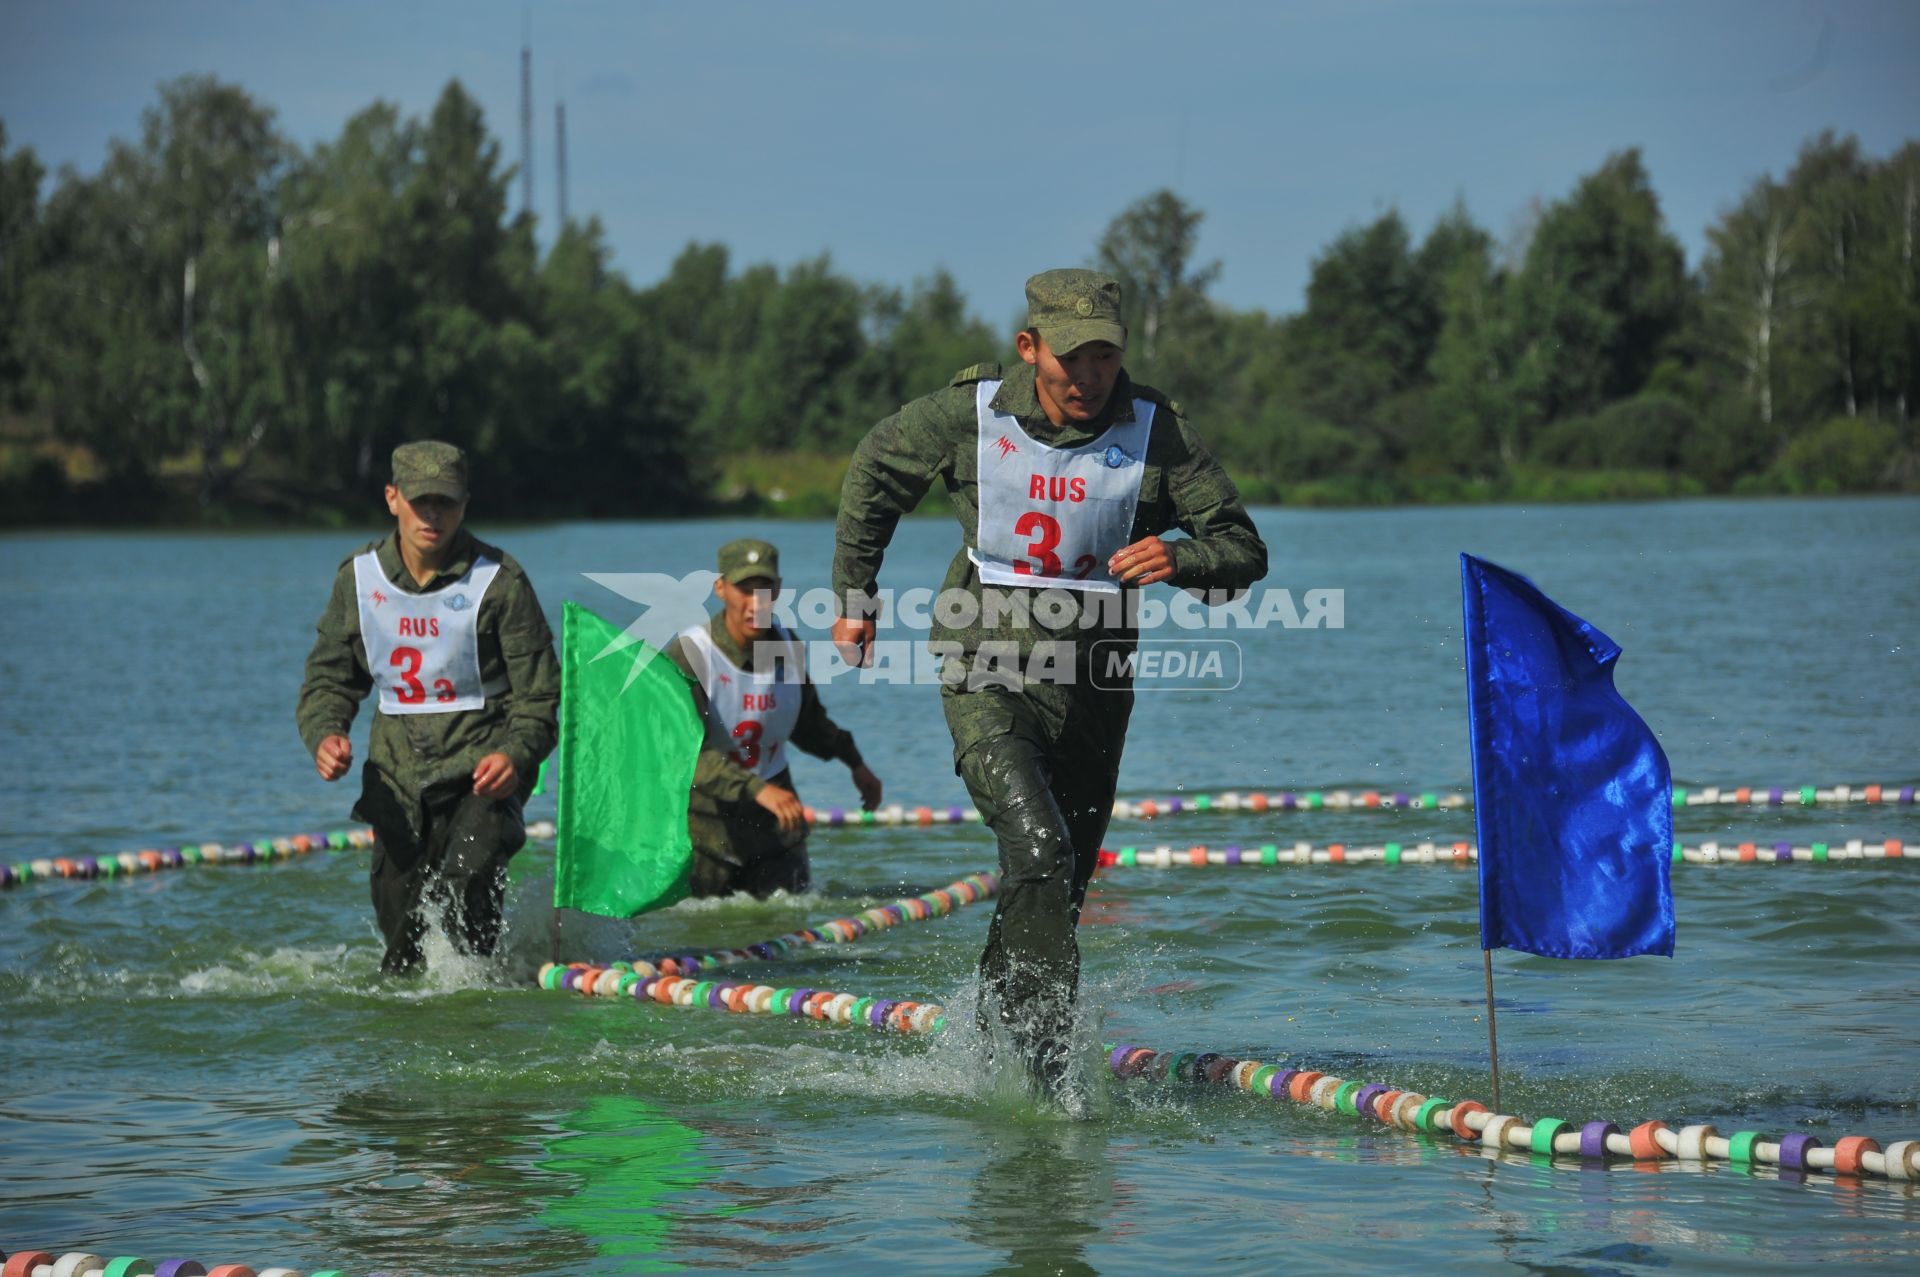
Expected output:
(251, 520)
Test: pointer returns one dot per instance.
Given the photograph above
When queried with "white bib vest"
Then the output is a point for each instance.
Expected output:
(753, 712)
(1054, 516)
(424, 649)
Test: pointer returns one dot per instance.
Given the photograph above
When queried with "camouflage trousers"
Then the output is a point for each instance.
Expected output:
(738, 847)
(1041, 764)
(782, 868)
(458, 867)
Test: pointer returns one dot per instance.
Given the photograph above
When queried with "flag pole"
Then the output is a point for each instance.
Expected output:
(1493, 1038)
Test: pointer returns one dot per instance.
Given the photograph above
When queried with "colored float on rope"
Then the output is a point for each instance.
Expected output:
(154, 859)
(260, 852)
(969, 890)
(1145, 809)
(1461, 853)
(1550, 1140)
(1304, 800)
(669, 979)
(642, 983)
(1368, 800)
(1376, 800)
(891, 814)
(40, 1263)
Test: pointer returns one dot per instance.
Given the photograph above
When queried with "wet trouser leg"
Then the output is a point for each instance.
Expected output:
(397, 875)
(787, 870)
(480, 836)
(1031, 963)
(1042, 775)
(460, 863)
(1091, 741)
(740, 848)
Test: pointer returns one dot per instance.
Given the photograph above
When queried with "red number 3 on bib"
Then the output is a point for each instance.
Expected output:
(1043, 561)
(747, 732)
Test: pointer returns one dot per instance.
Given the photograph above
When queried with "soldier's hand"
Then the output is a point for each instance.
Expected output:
(1143, 563)
(785, 806)
(494, 776)
(855, 640)
(869, 786)
(334, 758)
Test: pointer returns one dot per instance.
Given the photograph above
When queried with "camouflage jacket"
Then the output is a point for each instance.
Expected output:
(934, 438)
(719, 783)
(412, 756)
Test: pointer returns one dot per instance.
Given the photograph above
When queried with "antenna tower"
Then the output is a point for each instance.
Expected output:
(526, 115)
(560, 154)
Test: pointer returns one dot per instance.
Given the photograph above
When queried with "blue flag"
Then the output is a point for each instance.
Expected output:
(1571, 792)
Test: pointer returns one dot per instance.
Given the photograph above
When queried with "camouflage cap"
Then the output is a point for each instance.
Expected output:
(1073, 307)
(430, 468)
(747, 558)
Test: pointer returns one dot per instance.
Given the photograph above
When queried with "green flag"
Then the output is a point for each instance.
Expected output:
(628, 741)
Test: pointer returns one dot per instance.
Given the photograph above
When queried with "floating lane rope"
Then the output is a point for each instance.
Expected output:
(154, 859)
(1805, 796)
(1460, 853)
(151, 859)
(892, 814)
(78, 1263)
(668, 979)
(1306, 800)
(643, 984)
(1374, 800)
(1367, 800)
(1550, 1138)
(971, 889)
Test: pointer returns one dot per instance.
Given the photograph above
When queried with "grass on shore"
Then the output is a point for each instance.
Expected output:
(44, 482)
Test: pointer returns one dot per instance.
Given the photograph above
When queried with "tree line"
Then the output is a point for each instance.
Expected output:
(220, 324)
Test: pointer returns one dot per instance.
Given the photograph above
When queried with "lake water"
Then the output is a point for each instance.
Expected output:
(205, 1062)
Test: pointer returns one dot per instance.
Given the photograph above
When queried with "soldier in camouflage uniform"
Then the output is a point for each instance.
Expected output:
(1063, 473)
(446, 629)
(748, 679)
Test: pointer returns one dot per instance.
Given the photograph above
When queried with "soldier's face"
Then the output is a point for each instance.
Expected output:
(1074, 386)
(427, 523)
(749, 604)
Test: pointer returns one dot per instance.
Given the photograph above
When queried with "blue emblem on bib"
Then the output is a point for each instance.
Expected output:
(1117, 457)
(459, 603)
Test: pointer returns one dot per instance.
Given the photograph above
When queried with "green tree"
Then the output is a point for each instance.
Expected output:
(1363, 334)
(471, 273)
(1358, 357)
(691, 300)
(1889, 297)
(1478, 427)
(800, 376)
(611, 440)
(1642, 433)
(20, 175)
(1149, 249)
(714, 320)
(1828, 187)
(349, 300)
(919, 339)
(413, 297)
(153, 312)
(1752, 294)
(1846, 454)
(1602, 292)
(1230, 385)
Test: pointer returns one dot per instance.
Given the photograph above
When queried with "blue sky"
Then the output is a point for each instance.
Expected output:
(997, 139)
